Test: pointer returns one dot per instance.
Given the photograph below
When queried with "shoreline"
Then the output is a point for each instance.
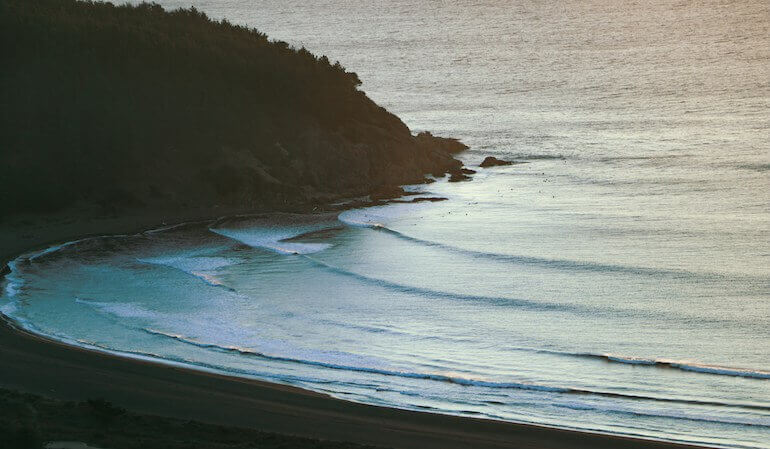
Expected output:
(142, 384)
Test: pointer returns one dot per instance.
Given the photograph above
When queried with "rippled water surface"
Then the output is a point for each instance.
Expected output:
(617, 280)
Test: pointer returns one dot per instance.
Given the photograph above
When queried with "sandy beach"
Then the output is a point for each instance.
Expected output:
(55, 370)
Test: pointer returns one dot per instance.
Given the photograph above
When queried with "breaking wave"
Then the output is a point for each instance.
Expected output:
(690, 366)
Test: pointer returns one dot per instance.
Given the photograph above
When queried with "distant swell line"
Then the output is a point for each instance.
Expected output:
(659, 363)
(497, 300)
(445, 378)
(562, 264)
(491, 300)
(686, 366)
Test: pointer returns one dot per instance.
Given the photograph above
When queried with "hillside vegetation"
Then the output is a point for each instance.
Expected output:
(133, 106)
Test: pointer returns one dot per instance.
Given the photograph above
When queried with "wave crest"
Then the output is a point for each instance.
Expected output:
(494, 300)
(686, 366)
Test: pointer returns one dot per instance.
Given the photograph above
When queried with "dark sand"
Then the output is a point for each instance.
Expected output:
(54, 370)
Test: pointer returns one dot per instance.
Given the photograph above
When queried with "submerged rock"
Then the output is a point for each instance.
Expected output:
(441, 144)
(431, 199)
(459, 174)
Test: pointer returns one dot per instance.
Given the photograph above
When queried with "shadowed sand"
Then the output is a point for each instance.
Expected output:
(54, 370)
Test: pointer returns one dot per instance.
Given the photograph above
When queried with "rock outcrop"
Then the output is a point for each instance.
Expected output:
(491, 161)
(131, 107)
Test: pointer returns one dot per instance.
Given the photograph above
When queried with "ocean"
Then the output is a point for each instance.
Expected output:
(616, 279)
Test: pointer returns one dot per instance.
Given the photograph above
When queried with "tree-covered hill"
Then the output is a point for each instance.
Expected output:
(129, 106)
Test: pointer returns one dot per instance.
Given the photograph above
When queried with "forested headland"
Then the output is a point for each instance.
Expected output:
(121, 107)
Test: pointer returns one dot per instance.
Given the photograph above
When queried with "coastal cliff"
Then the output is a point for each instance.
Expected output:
(120, 108)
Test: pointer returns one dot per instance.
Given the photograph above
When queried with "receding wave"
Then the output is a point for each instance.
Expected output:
(463, 381)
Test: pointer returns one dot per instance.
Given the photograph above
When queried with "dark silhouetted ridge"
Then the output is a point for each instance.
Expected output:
(126, 107)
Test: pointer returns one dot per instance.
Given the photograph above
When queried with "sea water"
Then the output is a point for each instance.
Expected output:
(616, 280)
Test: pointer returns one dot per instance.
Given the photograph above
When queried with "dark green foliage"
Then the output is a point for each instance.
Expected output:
(118, 106)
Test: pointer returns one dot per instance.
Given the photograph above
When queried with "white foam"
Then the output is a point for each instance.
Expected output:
(378, 216)
(273, 239)
(190, 264)
(121, 310)
(12, 288)
(13, 283)
(198, 266)
(208, 278)
(338, 361)
(629, 360)
(52, 249)
(8, 309)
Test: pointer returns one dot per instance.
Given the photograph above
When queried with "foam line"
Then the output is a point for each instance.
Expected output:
(468, 382)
